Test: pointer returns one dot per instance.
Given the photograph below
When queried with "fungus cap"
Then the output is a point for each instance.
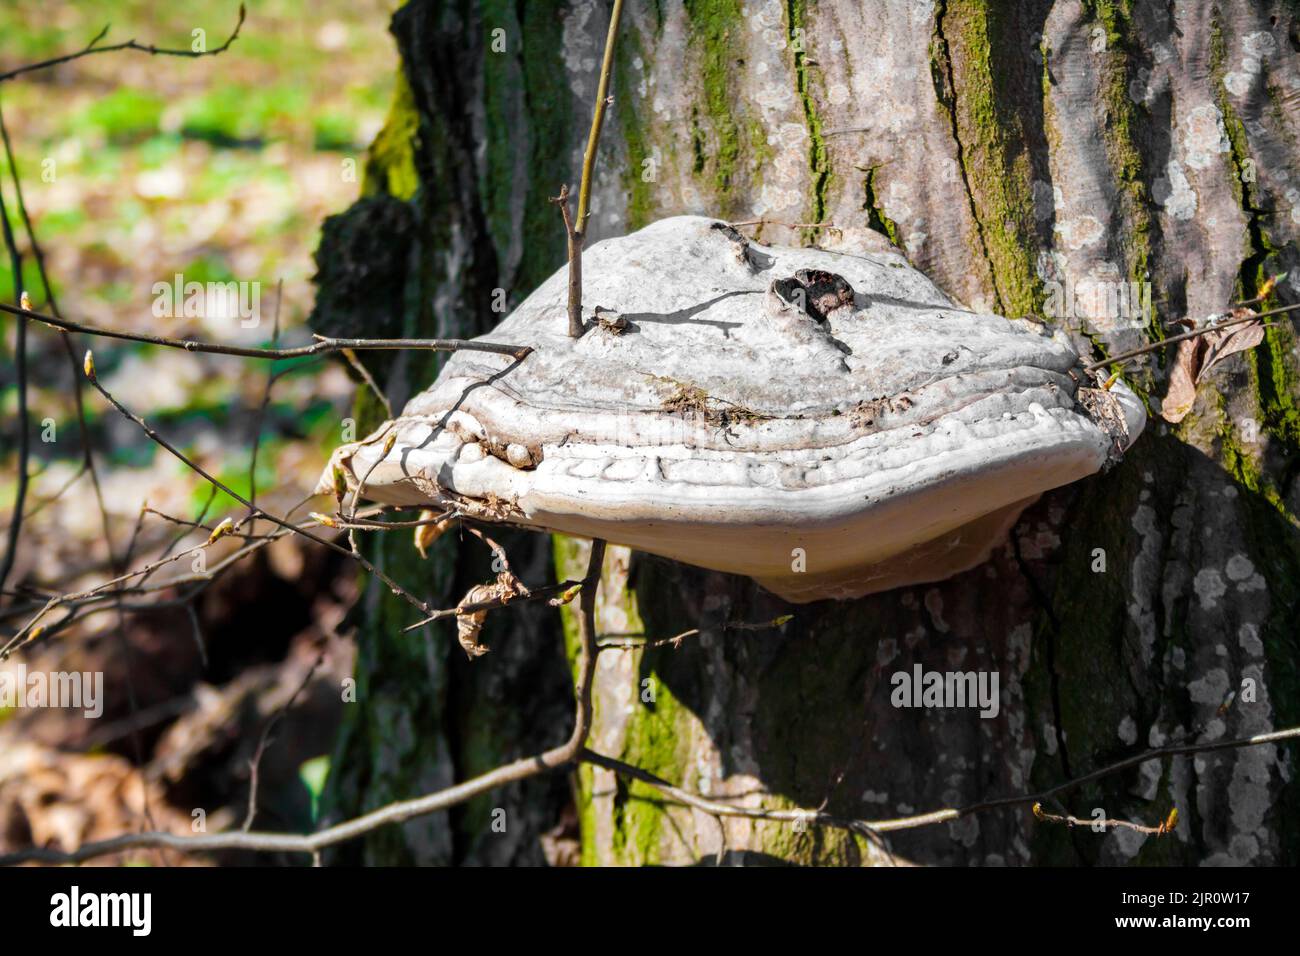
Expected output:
(830, 424)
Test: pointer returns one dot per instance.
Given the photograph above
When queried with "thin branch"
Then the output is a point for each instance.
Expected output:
(628, 642)
(535, 594)
(1156, 346)
(255, 763)
(364, 524)
(93, 48)
(20, 367)
(1165, 826)
(259, 418)
(787, 225)
(597, 120)
(873, 828)
(576, 229)
(107, 589)
(322, 346)
(575, 749)
(198, 523)
(253, 509)
(357, 366)
(574, 240)
(81, 604)
(510, 773)
(83, 428)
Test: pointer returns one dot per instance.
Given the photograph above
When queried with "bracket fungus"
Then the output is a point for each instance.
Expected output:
(830, 424)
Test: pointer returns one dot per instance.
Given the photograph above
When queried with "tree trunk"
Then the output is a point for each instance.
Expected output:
(1015, 152)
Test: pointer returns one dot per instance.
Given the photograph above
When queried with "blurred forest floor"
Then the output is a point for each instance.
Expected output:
(135, 169)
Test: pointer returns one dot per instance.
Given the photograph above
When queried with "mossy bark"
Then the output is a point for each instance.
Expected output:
(1001, 149)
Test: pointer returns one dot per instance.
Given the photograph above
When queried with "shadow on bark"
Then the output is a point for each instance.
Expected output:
(807, 709)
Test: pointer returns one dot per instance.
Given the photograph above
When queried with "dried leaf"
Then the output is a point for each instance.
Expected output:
(508, 586)
(469, 626)
(1196, 357)
(427, 534)
(1182, 381)
(1230, 341)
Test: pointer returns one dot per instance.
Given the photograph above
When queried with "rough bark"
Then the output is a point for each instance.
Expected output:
(1004, 147)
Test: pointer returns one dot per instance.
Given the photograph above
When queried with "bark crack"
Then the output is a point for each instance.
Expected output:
(1053, 633)
(945, 89)
(817, 157)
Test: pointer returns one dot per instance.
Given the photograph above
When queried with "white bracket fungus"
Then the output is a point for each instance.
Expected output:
(826, 423)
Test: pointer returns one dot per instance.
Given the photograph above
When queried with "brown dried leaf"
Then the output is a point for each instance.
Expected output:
(427, 534)
(1196, 357)
(1238, 338)
(1182, 381)
(469, 626)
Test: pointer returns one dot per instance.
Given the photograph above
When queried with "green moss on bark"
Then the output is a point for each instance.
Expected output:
(1122, 121)
(501, 115)
(657, 731)
(390, 164)
(818, 156)
(642, 164)
(972, 40)
(876, 217)
(716, 27)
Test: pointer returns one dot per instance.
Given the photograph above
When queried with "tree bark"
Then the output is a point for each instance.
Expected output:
(1012, 151)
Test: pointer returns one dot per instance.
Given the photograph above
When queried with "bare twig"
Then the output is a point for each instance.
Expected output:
(876, 827)
(597, 119)
(576, 229)
(83, 429)
(20, 368)
(107, 589)
(366, 524)
(1102, 825)
(787, 225)
(574, 241)
(627, 642)
(1156, 346)
(323, 345)
(260, 417)
(116, 589)
(255, 763)
(534, 594)
(357, 366)
(520, 769)
(253, 509)
(93, 48)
